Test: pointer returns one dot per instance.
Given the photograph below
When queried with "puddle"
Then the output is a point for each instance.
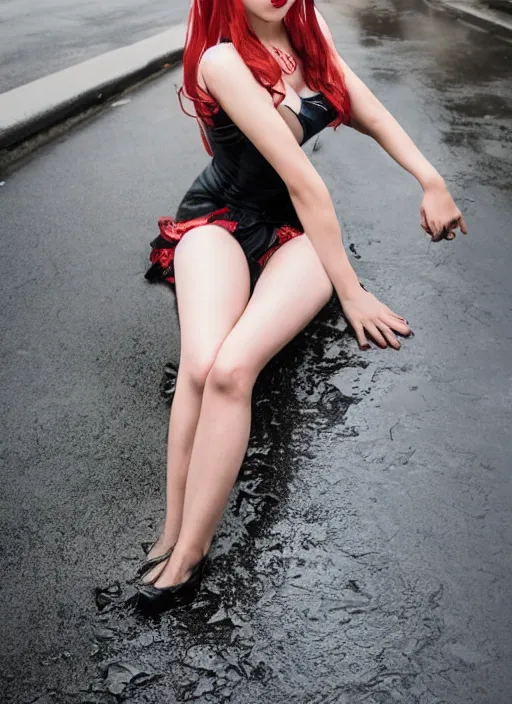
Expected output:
(205, 652)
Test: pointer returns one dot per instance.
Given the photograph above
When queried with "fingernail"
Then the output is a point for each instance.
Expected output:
(365, 347)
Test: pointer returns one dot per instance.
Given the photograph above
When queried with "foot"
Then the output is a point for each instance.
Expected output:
(179, 587)
(152, 574)
(160, 548)
(164, 543)
(178, 568)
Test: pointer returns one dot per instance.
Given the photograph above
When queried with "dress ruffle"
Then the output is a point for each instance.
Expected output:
(171, 232)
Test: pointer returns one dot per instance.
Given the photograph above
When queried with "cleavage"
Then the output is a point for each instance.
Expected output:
(290, 110)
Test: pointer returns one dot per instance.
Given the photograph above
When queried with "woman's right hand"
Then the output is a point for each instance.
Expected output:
(366, 314)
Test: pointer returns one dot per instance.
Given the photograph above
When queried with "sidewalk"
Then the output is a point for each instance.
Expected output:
(36, 106)
(494, 16)
(43, 37)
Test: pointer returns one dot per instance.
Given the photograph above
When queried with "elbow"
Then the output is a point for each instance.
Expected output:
(373, 124)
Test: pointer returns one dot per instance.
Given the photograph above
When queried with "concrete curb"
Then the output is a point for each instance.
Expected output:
(493, 21)
(38, 105)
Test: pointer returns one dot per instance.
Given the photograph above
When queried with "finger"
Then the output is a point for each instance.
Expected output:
(374, 332)
(395, 315)
(397, 325)
(445, 232)
(450, 230)
(439, 233)
(462, 225)
(361, 337)
(423, 221)
(388, 334)
(433, 226)
(442, 234)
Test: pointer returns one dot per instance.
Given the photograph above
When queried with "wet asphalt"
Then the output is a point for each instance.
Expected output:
(365, 555)
(40, 38)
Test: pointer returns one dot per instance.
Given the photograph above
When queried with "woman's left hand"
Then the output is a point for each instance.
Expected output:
(366, 314)
(440, 217)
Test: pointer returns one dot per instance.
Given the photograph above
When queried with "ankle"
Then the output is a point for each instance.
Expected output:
(169, 534)
(186, 556)
(163, 543)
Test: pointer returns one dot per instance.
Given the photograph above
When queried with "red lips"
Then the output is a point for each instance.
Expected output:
(278, 3)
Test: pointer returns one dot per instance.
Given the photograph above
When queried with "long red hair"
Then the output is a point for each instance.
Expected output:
(212, 20)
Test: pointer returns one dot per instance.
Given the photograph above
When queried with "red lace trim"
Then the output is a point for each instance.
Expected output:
(173, 231)
(284, 234)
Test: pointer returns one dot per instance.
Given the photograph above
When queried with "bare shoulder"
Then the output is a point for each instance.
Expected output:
(220, 58)
(226, 74)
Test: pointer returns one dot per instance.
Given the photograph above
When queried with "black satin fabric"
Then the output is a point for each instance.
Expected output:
(240, 178)
(243, 184)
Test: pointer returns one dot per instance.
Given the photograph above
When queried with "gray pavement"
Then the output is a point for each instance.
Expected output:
(37, 39)
(493, 17)
(29, 113)
(366, 553)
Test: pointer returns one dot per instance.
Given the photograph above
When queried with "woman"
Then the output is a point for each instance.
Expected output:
(264, 77)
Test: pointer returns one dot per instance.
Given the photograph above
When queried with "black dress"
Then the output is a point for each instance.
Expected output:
(240, 191)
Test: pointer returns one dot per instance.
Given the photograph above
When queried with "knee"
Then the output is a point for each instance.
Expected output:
(232, 376)
(196, 370)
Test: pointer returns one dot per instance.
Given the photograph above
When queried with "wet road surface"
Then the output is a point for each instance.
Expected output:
(366, 552)
(40, 38)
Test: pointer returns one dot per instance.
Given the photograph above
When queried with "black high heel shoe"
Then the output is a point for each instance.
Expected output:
(149, 564)
(151, 600)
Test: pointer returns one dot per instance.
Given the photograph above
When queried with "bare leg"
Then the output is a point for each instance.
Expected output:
(291, 290)
(212, 289)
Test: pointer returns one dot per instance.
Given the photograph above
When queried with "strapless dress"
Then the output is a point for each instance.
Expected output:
(240, 191)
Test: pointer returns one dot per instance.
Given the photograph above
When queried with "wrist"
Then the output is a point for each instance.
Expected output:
(348, 285)
(432, 180)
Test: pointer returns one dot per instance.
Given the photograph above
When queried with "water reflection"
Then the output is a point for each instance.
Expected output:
(471, 79)
(301, 604)
(210, 648)
(379, 22)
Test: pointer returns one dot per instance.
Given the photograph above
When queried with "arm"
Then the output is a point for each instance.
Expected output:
(249, 105)
(227, 78)
(439, 214)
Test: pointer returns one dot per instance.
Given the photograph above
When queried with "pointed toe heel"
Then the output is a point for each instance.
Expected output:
(147, 565)
(152, 600)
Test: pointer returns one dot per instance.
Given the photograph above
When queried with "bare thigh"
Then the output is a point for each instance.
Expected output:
(212, 289)
(290, 291)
